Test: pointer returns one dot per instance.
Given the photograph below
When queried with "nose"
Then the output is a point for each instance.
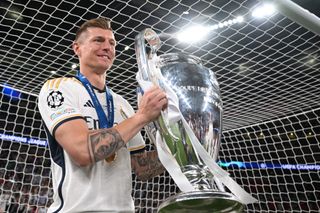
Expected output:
(108, 45)
(109, 49)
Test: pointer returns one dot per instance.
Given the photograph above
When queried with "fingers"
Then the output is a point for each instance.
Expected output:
(153, 90)
(159, 96)
(164, 103)
(155, 93)
(153, 101)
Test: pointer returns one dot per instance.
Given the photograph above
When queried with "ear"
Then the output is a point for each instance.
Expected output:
(76, 48)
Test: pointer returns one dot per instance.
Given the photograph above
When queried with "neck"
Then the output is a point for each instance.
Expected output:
(96, 79)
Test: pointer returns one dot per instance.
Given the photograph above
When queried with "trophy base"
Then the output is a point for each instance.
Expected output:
(202, 202)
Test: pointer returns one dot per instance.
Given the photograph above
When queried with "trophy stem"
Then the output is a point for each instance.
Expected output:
(200, 177)
(188, 148)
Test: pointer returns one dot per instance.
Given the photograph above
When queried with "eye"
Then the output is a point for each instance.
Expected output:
(98, 40)
(112, 43)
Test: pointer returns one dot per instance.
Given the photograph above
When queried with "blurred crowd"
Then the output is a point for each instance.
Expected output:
(24, 181)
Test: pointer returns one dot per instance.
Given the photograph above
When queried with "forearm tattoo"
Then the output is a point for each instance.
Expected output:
(147, 165)
(104, 143)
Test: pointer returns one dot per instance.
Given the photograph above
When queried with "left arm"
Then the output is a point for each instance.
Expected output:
(146, 165)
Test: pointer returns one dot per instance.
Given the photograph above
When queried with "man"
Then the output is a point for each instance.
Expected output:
(91, 130)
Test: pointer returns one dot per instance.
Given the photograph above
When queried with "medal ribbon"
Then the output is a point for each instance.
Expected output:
(104, 121)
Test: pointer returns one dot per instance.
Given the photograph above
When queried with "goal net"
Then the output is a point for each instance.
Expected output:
(267, 67)
(24, 155)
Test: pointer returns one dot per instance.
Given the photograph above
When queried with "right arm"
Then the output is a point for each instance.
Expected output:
(90, 146)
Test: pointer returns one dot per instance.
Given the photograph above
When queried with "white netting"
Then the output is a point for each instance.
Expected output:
(24, 157)
(268, 70)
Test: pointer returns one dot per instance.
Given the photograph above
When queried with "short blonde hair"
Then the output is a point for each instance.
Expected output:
(103, 23)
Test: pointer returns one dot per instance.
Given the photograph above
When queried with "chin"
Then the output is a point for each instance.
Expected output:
(103, 66)
(100, 69)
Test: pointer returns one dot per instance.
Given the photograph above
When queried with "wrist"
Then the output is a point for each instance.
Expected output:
(141, 119)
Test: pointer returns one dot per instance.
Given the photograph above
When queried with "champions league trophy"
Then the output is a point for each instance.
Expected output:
(187, 135)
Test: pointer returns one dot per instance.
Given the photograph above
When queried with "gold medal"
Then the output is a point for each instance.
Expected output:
(111, 158)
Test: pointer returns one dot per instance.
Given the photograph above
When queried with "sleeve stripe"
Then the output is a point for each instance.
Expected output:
(51, 83)
(55, 127)
(57, 83)
(77, 81)
(136, 148)
(64, 118)
(138, 151)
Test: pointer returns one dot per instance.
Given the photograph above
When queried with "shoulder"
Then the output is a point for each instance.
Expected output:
(66, 85)
(119, 99)
(58, 83)
(58, 89)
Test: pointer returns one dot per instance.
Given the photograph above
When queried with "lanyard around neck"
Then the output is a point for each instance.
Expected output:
(104, 121)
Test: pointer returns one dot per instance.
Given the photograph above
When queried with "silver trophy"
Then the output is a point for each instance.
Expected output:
(198, 101)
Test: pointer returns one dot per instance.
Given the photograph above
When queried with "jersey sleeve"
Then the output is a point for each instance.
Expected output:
(58, 102)
(137, 142)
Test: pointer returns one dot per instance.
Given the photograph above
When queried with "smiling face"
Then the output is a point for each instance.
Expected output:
(96, 49)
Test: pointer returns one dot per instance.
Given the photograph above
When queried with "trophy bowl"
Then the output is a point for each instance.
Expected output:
(201, 106)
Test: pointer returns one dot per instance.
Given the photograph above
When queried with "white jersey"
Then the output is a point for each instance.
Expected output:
(102, 187)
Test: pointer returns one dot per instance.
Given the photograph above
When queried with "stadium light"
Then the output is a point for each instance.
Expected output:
(14, 13)
(73, 66)
(264, 11)
(193, 34)
(199, 32)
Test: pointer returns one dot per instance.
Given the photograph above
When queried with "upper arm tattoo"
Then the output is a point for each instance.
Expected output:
(104, 143)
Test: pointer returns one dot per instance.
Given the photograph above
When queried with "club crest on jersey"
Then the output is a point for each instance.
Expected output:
(55, 99)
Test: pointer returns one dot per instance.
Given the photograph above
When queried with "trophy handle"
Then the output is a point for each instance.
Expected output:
(154, 44)
(149, 73)
(149, 40)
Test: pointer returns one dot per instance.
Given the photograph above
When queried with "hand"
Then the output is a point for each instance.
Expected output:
(152, 102)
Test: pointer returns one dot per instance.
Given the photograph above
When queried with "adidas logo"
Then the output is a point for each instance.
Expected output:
(88, 104)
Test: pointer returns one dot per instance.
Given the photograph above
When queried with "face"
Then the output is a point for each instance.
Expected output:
(96, 49)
